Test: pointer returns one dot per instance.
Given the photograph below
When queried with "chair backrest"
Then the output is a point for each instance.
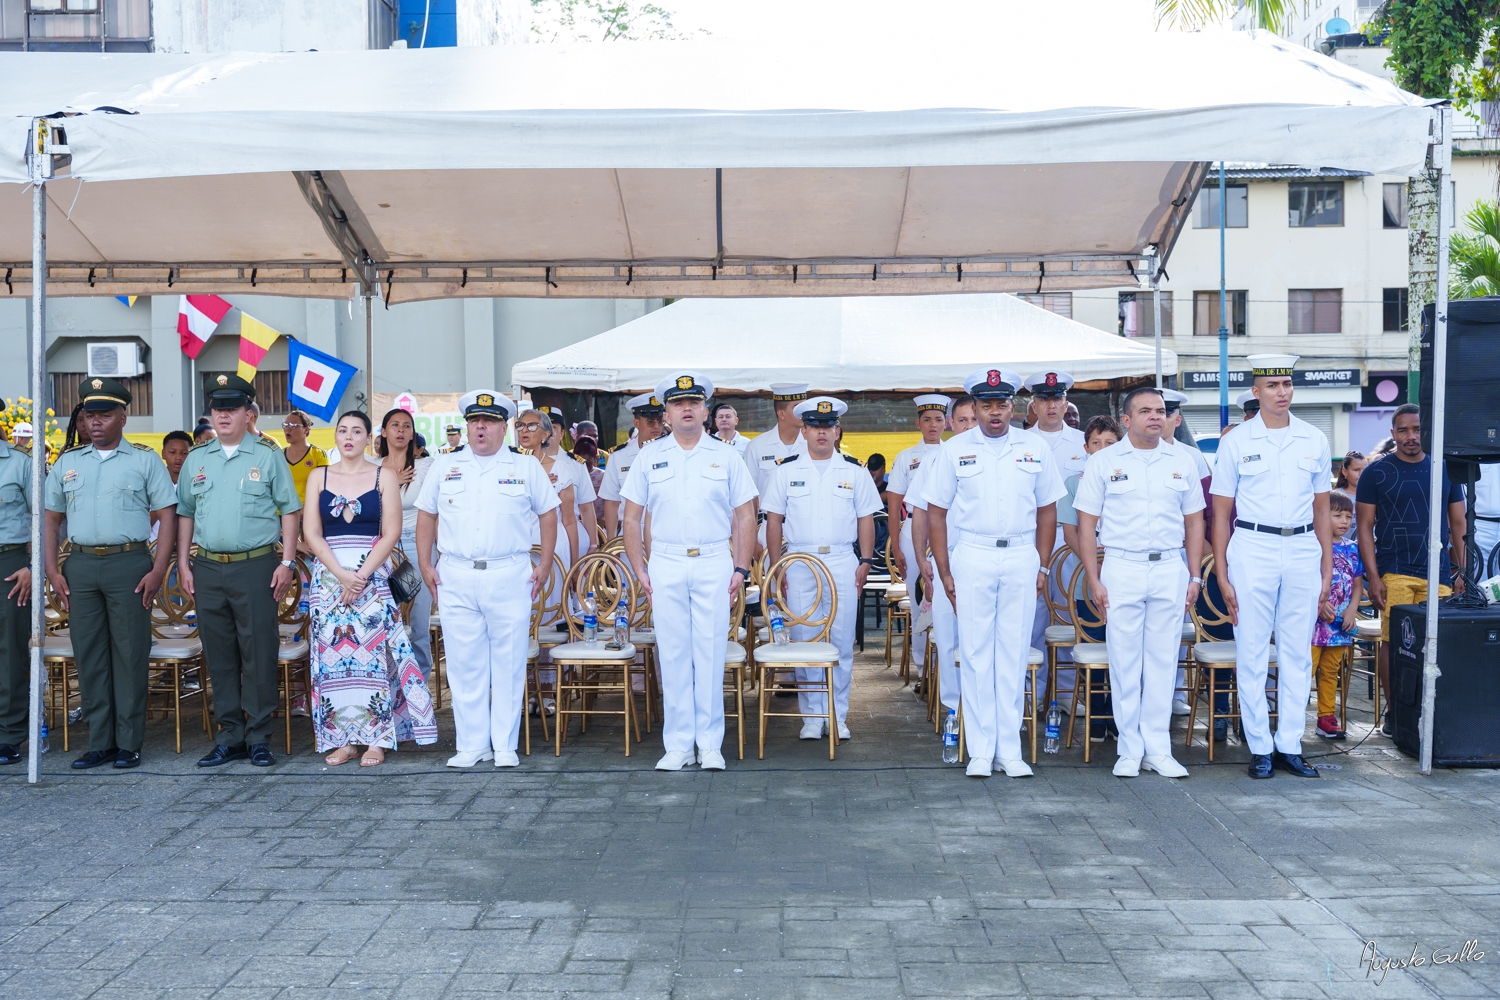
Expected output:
(1059, 612)
(173, 612)
(1088, 622)
(288, 609)
(890, 565)
(776, 581)
(607, 578)
(613, 546)
(1209, 613)
(736, 612)
(547, 608)
(601, 533)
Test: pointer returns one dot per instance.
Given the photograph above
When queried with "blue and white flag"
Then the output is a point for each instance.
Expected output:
(318, 380)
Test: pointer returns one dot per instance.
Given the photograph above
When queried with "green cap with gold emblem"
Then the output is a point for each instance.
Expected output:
(229, 392)
(101, 393)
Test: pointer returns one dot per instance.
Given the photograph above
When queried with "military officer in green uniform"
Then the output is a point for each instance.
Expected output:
(15, 616)
(109, 490)
(236, 500)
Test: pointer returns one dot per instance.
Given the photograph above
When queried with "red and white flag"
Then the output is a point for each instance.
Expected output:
(197, 316)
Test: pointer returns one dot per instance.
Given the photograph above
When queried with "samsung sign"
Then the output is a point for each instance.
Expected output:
(1310, 378)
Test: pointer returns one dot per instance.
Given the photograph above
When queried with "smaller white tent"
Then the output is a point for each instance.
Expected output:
(856, 344)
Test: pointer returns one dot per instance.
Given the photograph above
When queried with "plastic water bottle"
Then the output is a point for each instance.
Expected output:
(44, 745)
(590, 619)
(950, 738)
(778, 624)
(622, 625)
(1054, 729)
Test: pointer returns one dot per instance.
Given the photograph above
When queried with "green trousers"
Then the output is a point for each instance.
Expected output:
(241, 640)
(15, 658)
(111, 636)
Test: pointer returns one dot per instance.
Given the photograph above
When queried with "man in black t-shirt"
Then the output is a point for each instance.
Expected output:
(1392, 504)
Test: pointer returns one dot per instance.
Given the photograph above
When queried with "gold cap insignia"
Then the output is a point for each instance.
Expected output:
(222, 380)
(485, 399)
(684, 381)
(97, 383)
(655, 401)
(825, 407)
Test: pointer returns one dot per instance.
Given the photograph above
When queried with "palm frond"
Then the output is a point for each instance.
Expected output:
(1474, 255)
(1273, 15)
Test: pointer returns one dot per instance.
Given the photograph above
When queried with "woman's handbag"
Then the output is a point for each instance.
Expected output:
(405, 582)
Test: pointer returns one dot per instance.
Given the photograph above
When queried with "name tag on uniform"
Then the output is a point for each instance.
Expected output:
(1119, 476)
(798, 482)
(915, 463)
(1251, 458)
(624, 469)
(659, 465)
(768, 458)
(967, 459)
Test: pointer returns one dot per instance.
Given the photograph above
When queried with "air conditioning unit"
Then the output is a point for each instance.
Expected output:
(116, 360)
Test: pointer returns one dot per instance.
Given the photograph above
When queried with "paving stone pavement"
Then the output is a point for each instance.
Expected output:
(883, 874)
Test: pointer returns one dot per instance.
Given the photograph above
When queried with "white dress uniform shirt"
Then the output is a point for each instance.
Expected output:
(691, 495)
(822, 506)
(1028, 479)
(739, 442)
(571, 472)
(905, 466)
(944, 632)
(765, 450)
(487, 507)
(1273, 474)
(615, 470)
(1067, 448)
(1140, 497)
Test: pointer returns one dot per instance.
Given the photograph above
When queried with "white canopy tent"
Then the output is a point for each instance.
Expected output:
(840, 345)
(932, 160)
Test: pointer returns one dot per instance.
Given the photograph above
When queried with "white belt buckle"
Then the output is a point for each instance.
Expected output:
(481, 564)
(692, 552)
(823, 550)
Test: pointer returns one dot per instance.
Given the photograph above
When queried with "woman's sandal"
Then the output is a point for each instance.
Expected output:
(342, 755)
(373, 757)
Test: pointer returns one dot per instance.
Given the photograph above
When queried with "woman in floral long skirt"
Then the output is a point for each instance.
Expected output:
(367, 688)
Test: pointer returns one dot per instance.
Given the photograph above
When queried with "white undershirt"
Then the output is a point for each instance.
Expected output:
(486, 462)
(105, 456)
(1049, 436)
(1278, 435)
(999, 443)
(821, 464)
(230, 449)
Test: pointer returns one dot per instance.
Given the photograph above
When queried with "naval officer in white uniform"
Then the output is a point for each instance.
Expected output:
(647, 414)
(482, 505)
(931, 421)
(1276, 569)
(824, 504)
(780, 442)
(701, 501)
(1143, 498)
(992, 497)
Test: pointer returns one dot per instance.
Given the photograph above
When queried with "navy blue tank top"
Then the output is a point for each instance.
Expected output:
(366, 520)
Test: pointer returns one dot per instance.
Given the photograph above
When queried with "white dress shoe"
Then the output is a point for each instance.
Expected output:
(813, 730)
(1014, 768)
(843, 731)
(674, 760)
(507, 758)
(979, 768)
(1180, 707)
(711, 760)
(1127, 767)
(468, 758)
(1164, 765)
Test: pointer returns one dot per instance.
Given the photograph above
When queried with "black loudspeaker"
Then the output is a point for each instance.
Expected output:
(1471, 429)
(1466, 717)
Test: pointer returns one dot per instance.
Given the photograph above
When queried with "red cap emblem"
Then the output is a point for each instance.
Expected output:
(1051, 378)
(993, 378)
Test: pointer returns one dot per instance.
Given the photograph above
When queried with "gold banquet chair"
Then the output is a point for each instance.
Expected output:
(816, 654)
(546, 608)
(587, 670)
(294, 656)
(736, 659)
(1214, 656)
(176, 657)
(57, 657)
(1059, 633)
(1090, 659)
(897, 609)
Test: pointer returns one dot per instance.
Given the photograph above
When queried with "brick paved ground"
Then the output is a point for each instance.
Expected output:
(884, 874)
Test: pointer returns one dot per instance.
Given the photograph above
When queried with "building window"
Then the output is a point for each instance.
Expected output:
(1393, 302)
(1315, 205)
(1138, 314)
(1206, 313)
(65, 394)
(1054, 302)
(1315, 310)
(1393, 202)
(270, 390)
(1236, 207)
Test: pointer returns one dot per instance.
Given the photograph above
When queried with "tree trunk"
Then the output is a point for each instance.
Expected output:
(1421, 266)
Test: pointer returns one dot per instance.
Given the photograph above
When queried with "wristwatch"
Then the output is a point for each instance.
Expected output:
(742, 571)
(868, 560)
(288, 564)
(1198, 580)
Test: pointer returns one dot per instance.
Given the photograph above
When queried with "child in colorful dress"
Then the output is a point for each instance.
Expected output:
(1333, 633)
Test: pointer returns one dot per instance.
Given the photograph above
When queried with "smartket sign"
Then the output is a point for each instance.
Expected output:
(1309, 378)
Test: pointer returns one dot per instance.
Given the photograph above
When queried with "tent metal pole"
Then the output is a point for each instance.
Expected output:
(41, 168)
(1156, 307)
(1442, 154)
(1223, 318)
(369, 356)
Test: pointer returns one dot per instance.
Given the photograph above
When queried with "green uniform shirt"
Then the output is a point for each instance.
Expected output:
(15, 495)
(109, 502)
(236, 503)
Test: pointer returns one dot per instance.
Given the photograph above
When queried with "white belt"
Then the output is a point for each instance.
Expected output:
(996, 541)
(705, 549)
(1145, 555)
(835, 551)
(494, 562)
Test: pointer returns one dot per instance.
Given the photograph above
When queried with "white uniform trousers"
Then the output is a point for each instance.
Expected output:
(690, 611)
(995, 592)
(841, 565)
(1276, 582)
(945, 637)
(486, 616)
(1143, 635)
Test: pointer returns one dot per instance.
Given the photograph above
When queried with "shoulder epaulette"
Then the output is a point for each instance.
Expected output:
(203, 444)
(851, 459)
(518, 451)
(789, 458)
(142, 447)
(77, 447)
(269, 442)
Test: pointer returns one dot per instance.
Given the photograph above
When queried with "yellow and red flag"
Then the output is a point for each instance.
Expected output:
(255, 340)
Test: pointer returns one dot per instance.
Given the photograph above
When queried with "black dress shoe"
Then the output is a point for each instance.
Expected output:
(94, 758)
(222, 754)
(9, 753)
(128, 759)
(1221, 730)
(1294, 763)
(1260, 765)
(260, 755)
